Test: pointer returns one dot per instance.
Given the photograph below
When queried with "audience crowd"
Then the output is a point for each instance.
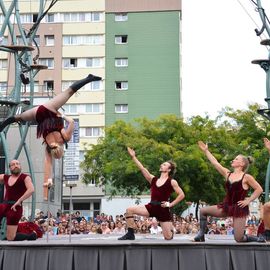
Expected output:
(106, 224)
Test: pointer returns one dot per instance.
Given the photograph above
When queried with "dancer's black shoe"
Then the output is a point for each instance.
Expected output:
(127, 236)
(32, 236)
(79, 84)
(252, 238)
(199, 237)
(23, 236)
(94, 78)
(266, 235)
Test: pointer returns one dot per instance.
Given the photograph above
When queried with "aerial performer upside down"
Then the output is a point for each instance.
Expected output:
(50, 124)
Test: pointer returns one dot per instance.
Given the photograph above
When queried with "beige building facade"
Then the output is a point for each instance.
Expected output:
(71, 42)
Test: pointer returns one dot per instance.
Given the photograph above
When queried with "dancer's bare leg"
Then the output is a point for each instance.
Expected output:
(167, 230)
(61, 99)
(58, 101)
(212, 211)
(239, 229)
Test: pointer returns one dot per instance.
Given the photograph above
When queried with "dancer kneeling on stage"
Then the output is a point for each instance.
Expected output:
(159, 207)
(235, 203)
(18, 187)
(50, 123)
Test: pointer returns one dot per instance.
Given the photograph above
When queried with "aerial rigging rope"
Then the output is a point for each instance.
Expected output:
(248, 14)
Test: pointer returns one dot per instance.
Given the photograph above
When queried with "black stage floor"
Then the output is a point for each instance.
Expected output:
(147, 252)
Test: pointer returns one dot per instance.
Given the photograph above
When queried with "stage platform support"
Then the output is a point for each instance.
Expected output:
(142, 254)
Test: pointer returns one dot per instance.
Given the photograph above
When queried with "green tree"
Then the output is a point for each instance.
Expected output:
(156, 141)
(168, 137)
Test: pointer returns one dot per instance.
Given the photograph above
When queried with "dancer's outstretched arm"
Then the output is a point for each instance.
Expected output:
(148, 176)
(47, 174)
(222, 170)
(47, 166)
(67, 133)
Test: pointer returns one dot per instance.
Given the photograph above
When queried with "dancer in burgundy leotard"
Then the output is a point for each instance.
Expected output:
(51, 125)
(235, 203)
(159, 207)
(18, 187)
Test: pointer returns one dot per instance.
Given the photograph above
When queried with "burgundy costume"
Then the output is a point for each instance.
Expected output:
(234, 194)
(48, 122)
(12, 194)
(158, 195)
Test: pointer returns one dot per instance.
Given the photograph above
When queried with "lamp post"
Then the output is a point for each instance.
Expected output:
(265, 65)
(70, 184)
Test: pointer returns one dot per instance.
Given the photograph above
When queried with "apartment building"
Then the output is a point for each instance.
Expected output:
(143, 47)
(71, 42)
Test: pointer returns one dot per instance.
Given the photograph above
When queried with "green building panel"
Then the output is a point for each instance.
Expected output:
(153, 71)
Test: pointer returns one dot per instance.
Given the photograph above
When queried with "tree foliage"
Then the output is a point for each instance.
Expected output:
(171, 138)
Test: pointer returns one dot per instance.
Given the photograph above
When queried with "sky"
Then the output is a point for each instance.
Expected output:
(218, 45)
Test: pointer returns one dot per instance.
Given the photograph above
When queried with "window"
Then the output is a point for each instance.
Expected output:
(83, 40)
(93, 86)
(26, 87)
(70, 109)
(121, 62)
(95, 16)
(20, 40)
(81, 17)
(121, 17)
(49, 40)
(93, 62)
(92, 132)
(70, 63)
(121, 39)
(26, 18)
(3, 40)
(81, 206)
(49, 18)
(3, 86)
(121, 108)
(81, 153)
(34, 17)
(96, 208)
(93, 108)
(49, 62)
(121, 85)
(37, 40)
(49, 85)
(3, 63)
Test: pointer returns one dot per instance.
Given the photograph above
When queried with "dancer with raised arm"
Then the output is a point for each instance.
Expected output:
(18, 187)
(236, 202)
(159, 207)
